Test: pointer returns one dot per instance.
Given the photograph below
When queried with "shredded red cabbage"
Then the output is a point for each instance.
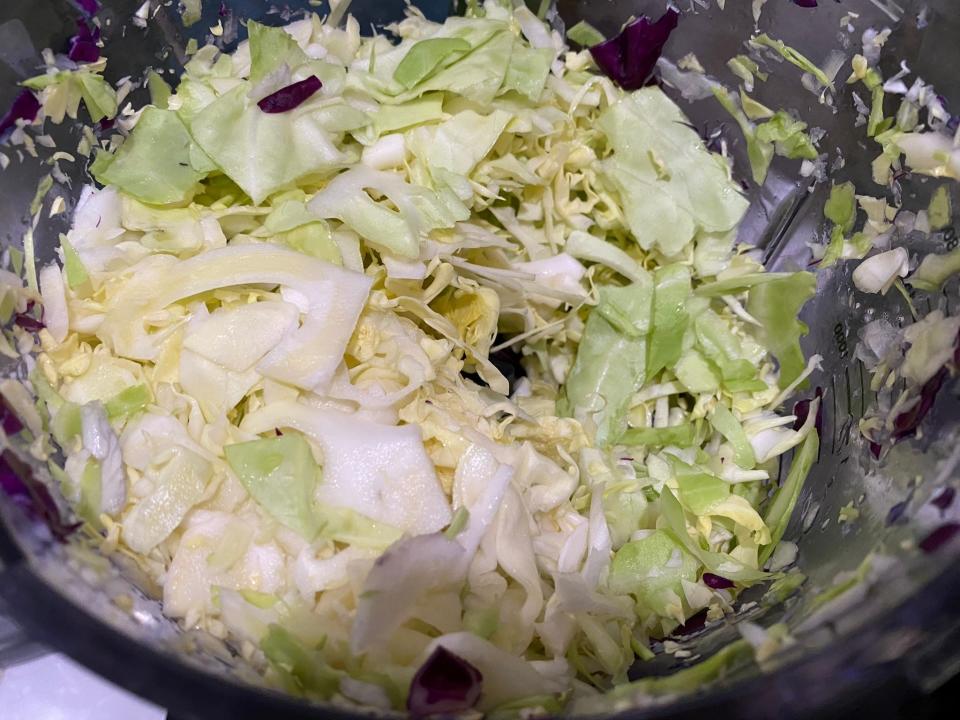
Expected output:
(953, 121)
(18, 482)
(944, 498)
(291, 96)
(90, 7)
(8, 418)
(906, 423)
(896, 513)
(802, 408)
(694, 623)
(25, 106)
(939, 537)
(83, 45)
(630, 57)
(716, 581)
(28, 322)
(805, 3)
(445, 683)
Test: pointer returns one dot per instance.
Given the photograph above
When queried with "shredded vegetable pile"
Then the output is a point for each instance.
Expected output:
(426, 368)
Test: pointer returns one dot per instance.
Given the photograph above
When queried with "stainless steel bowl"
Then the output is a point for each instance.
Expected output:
(877, 647)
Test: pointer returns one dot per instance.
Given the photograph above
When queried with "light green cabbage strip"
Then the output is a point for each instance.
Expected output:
(458, 144)
(792, 56)
(875, 121)
(718, 343)
(759, 153)
(528, 70)
(671, 187)
(715, 562)
(159, 90)
(419, 209)
(777, 306)
(727, 425)
(192, 10)
(670, 318)
(610, 364)
(177, 488)
(270, 49)
(475, 72)
(935, 270)
(754, 109)
(460, 519)
(841, 206)
(784, 500)
(43, 188)
(65, 89)
(307, 357)
(781, 134)
(301, 671)
(701, 493)
(841, 210)
(585, 246)
(834, 249)
(789, 136)
(127, 402)
(585, 34)
(745, 69)
(265, 152)
(940, 209)
(644, 569)
(423, 59)
(738, 283)
(684, 435)
(422, 110)
(154, 165)
(693, 678)
(281, 475)
(696, 373)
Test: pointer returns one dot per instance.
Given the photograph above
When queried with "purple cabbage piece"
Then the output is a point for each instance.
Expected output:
(83, 46)
(716, 581)
(953, 121)
(289, 97)
(90, 7)
(944, 499)
(802, 408)
(897, 512)
(694, 623)
(806, 3)
(630, 57)
(939, 537)
(445, 683)
(906, 423)
(28, 322)
(25, 106)
(9, 419)
(224, 10)
(18, 482)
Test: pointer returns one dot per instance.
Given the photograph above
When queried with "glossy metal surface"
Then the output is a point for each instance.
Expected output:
(900, 638)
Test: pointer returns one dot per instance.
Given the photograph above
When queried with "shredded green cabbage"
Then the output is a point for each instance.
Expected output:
(275, 354)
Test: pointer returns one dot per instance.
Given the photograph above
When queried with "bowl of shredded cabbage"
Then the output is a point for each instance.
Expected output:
(498, 360)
